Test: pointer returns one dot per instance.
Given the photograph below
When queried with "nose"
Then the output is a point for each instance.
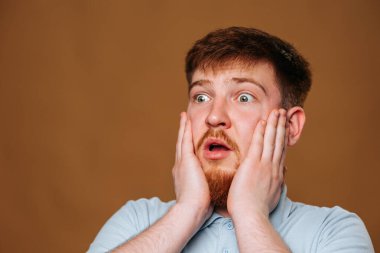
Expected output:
(218, 116)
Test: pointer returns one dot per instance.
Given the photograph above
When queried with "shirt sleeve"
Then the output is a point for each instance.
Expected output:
(344, 232)
(130, 220)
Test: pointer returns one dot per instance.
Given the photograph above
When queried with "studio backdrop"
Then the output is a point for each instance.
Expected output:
(91, 91)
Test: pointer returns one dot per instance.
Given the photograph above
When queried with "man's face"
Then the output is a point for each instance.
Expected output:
(224, 107)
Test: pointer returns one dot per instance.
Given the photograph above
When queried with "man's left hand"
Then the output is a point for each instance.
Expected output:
(256, 187)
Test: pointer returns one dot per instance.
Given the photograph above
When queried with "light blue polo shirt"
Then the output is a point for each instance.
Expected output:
(303, 228)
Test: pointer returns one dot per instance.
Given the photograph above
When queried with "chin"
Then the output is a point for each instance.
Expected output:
(219, 175)
(229, 164)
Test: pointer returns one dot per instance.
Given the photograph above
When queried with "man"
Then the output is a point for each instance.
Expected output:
(246, 94)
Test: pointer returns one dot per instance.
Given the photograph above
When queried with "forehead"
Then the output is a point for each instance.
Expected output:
(260, 72)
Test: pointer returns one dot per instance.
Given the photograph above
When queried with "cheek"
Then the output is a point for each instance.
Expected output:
(197, 124)
(245, 133)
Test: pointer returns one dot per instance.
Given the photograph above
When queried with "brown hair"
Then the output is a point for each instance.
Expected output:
(247, 46)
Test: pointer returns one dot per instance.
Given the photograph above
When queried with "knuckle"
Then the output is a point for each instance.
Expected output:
(266, 163)
(260, 141)
(276, 177)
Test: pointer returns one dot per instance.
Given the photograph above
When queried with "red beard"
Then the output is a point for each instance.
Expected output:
(219, 179)
(219, 182)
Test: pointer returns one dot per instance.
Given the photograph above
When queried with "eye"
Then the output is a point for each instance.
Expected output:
(245, 98)
(201, 98)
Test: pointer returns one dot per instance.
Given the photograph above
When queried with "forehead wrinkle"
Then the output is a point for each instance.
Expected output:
(226, 66)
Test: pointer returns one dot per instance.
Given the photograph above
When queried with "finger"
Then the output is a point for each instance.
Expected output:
(187, 140)
(279, 145)
(256, 148)
(180, 135)
(282, 168)
(280, 138)
(282, 163)
(270, 136)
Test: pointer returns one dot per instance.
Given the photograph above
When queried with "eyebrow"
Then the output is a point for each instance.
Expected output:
(199, 82)
(234, 79)
(249, 80)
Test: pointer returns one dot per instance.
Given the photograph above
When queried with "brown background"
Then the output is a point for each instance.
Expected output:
(91, 91)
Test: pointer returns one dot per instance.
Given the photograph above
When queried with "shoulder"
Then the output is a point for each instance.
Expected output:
(321, 214)
(329, 229)
(145, 210)
(131, 219)
(140, 214)
(324, 217)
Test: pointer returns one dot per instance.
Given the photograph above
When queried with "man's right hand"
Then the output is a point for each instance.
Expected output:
(190, 183)
(173, 231)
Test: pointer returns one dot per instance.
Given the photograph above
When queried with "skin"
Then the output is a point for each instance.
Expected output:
(251, 116)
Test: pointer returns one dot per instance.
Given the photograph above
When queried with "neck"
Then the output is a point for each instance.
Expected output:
(222, 211)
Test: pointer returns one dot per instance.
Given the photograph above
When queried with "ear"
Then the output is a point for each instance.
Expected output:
(295, 120)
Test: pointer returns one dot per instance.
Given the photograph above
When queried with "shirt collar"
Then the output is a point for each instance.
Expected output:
(214, 216)
(276, 217)
(282, 210)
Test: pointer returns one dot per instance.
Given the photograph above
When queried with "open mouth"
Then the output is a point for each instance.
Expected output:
(217, 147)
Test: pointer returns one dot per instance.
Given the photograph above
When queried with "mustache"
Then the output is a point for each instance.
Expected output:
(218, 134)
